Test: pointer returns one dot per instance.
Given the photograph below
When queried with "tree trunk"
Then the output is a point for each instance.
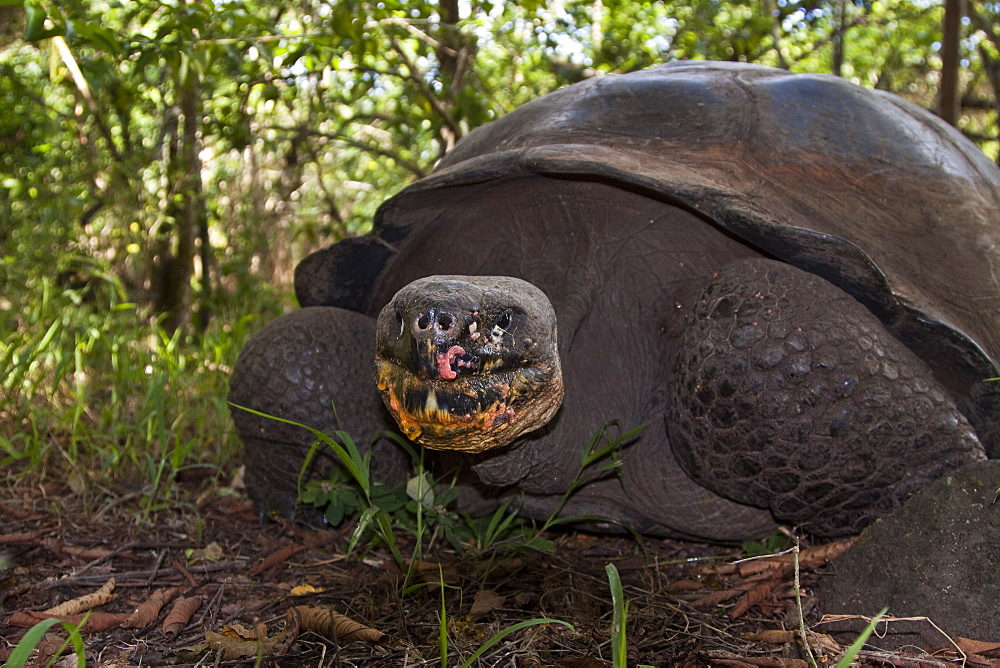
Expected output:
(770, 10)
(837, 65)
(990, 63)
(949, 99)
(450, 56)
(175, 265)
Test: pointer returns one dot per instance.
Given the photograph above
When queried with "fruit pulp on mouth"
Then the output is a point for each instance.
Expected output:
(445, 408)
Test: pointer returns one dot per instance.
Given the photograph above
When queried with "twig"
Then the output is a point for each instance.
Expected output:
(139, 578)
(798, 605)
(83, 88)
(417, 77)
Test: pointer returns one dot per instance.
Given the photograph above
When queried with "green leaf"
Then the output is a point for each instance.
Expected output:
(848, 658)
(96, 35)
(619, 605)
(34, 24)
(344, 16)
(511, 629)
(334, 514)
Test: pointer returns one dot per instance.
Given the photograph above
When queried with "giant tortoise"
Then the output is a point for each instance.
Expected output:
(788, 281)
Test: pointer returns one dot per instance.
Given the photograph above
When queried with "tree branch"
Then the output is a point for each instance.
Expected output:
(416, 76)
(409, 165)
(83, 88)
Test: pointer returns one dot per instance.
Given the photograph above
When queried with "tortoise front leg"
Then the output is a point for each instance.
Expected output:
(791, 395)
(312, 366)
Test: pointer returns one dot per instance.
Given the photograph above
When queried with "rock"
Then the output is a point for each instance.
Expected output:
(937, 556)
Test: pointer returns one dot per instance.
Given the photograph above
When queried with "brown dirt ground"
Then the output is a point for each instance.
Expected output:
(62, 540)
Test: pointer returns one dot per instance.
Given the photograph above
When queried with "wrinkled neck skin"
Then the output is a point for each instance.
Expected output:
(621, 271)
(606, 385)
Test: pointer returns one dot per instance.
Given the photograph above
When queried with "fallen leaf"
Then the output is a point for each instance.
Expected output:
(211, 552)
(305, 589)
(485, 602)
(336, 626)
(255, 643)
(96, 620)
(716, 597)
(751, 598)
(678, 586)
(276, 558)
(26, 538)
(772, 636)
(978, 646)
(86, 602)
(148, 610)
(180, 615)
(809, 559)
(239, 631)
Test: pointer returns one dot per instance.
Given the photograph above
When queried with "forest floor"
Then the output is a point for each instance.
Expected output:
(281, 594)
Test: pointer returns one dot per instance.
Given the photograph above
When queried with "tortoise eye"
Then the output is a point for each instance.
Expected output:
(503, 322)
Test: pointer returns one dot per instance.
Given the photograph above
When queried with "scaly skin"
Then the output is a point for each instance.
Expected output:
(792, 396)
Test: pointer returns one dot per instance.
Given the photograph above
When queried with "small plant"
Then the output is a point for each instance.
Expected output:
(600, 458)
(499, 528)
(777, 542)
(22, 652)
(336, 495)
(358, 467)
(848, 659)
(424, 502)
(619, 656)
(619, 613)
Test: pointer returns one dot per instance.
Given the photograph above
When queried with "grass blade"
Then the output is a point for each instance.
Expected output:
(859, 642)
(619, 656)
(507, 631)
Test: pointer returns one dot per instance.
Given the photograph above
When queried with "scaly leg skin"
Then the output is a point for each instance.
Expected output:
(312, 366)
(791, 395)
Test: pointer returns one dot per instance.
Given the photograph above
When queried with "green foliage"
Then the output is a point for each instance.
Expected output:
(619, 606)
(92, 381)
(601, 457)
(167, 163)
(22, 652)
(847, 660)
(423, 507)
(777, 542)
(619, 613)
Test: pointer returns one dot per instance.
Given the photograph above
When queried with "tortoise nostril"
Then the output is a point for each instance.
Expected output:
(423, 322)
(445, 321)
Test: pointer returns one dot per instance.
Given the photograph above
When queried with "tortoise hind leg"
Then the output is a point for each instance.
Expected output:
(312, 366)
(790, 395)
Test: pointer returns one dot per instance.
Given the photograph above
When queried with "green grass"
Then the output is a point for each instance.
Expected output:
(847, 660)
(91, 386)
(24, 649)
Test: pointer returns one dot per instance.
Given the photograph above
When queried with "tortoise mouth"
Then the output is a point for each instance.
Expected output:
(469, 412)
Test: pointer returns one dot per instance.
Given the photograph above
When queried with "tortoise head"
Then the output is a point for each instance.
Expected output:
(468, 362)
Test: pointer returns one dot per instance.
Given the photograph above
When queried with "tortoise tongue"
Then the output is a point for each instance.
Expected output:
(445, 361)
(443, 358)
